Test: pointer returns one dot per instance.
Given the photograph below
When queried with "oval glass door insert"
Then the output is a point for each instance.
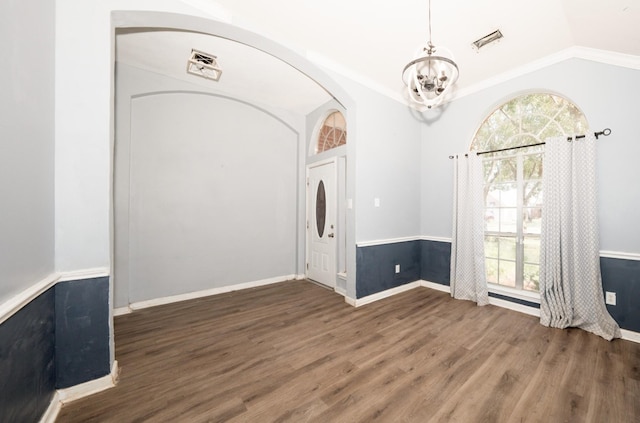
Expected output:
(321, 209)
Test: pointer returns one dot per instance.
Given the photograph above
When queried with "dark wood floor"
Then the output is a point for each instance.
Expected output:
(296, 352)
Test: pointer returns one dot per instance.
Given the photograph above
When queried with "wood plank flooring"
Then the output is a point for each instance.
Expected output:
(295, 352)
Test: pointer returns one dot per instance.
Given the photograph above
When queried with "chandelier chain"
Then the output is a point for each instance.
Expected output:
(430, 41)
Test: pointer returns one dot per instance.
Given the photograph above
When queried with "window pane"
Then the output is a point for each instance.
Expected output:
(492, 198)
(507, 194)
(491, 268)
(508, 218)
(333, 132)
(492, 220)
(532, 193)
(507, 248)
(491, 247)
(321, 209)
(504, 171)
(490, 168)
(532, 250)
(532, 166)
(532, 220)
(507, 273)
(531, 277)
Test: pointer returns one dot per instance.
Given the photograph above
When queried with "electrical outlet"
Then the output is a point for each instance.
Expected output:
(397, 268)
(610, 298)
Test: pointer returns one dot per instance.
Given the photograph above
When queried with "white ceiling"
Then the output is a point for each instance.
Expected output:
(247, 73)
(373, 40)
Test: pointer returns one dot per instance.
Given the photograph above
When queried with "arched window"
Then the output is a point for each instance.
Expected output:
(513, 182)
(333, 132)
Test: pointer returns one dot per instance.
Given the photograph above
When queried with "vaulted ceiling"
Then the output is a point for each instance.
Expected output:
(371, 41)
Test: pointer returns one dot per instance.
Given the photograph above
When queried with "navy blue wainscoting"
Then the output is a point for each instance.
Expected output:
(82, 331)
(435, 261)
(623, 278)
(375, 266)
(27, 360)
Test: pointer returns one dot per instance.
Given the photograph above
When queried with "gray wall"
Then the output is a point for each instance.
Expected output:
(382, 154)
(608, 97)
(206, 190)
(26, 144)
(387, 165)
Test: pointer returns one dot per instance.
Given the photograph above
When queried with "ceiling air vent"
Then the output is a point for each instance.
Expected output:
(487, 39)
(204, 65)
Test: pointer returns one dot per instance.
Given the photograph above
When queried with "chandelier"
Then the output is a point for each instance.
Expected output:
(431, 74)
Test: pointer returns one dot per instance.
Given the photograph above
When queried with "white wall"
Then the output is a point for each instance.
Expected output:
(251, 148)
(608, 97)
(213, 195)
(84, 104)
(26, 144)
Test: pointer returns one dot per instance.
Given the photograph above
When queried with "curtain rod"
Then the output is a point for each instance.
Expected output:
(606, 132)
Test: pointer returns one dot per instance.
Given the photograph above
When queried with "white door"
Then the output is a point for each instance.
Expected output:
(321, 224)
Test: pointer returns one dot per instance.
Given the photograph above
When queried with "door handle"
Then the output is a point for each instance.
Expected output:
(331, 235)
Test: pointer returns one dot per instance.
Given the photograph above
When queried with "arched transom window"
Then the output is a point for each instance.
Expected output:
(513, 182)
(333, 132)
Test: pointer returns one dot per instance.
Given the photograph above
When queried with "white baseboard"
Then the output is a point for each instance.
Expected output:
(121, 310)
(82, 390)
(208, 292)
(73, 393)
(380, 295)
(630, 335)
(436, 286)
(51, 414)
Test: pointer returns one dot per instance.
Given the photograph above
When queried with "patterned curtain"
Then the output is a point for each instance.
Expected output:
(468, 278)
(570, 280)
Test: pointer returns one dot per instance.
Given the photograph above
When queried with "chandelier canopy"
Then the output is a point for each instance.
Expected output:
(431, 74)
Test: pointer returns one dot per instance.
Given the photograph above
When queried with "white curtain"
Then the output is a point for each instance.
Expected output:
(570, 281)
(468, 279)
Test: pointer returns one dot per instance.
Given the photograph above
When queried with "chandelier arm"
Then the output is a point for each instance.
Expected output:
(428, 58)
